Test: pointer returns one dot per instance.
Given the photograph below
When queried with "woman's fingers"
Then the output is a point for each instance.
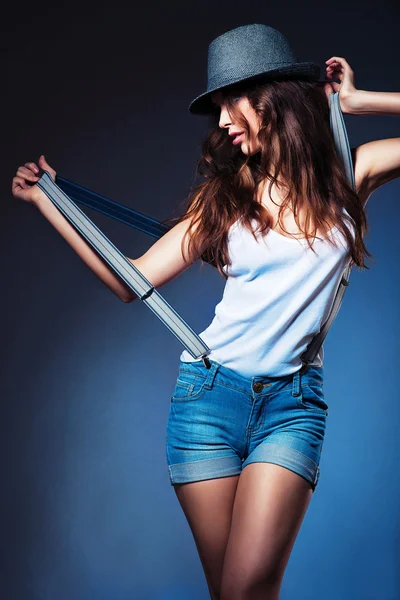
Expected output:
(18, 182)
(22, 190)
(339, 64)
(338, 68)
(24, 184)
(334, 70)
(334, 67)
(45, 165)
(27, 174)
(338, 59)
(32, 166)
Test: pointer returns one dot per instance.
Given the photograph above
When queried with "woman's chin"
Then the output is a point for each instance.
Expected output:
(248, 150)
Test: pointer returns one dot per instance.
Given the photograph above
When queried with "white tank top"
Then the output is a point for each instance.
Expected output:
(277, 297)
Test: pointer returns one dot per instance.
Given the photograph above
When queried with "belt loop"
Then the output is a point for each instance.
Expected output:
(211, 374)
(296, 383)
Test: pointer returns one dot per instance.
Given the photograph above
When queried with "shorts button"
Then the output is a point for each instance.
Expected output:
(257, 386)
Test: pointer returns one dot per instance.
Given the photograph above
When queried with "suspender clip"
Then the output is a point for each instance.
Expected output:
(304, 367)
(148, 293)
(206, 362)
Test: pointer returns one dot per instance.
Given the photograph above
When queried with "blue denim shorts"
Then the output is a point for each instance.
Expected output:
(220, 421)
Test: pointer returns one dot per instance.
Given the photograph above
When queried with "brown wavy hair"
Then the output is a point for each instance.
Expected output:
(295, 114)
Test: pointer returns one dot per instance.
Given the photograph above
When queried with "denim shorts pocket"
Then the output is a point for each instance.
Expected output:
(312, 398)
(188, 387)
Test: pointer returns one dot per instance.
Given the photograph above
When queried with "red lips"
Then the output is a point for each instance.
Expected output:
(237, 139)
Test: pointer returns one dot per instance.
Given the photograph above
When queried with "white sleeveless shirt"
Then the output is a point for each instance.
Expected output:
(277, 297)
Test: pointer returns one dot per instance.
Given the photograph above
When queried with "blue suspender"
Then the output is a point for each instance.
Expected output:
(112, 209)
(65, 192)
(342, 145)
(125, 269)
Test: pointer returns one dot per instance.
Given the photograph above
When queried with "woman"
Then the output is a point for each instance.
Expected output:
(278, 218)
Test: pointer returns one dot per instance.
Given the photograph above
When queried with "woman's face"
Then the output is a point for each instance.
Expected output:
(248, 146)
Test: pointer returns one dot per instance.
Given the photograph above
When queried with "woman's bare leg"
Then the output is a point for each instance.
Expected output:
(270, 505)
(208, 509)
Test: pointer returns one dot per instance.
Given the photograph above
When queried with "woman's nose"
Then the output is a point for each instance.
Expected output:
(224, 118)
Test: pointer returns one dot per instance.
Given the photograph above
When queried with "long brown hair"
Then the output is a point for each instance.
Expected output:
(295, 114)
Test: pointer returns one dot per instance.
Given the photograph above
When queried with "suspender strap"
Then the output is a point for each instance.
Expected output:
(338, 128)
(112, 209)
(342, 145)
(124, 269)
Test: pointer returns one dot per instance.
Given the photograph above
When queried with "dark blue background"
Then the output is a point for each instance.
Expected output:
(87, 510)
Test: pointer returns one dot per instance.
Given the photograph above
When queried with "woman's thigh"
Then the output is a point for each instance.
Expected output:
(208, 507)
(269, 508)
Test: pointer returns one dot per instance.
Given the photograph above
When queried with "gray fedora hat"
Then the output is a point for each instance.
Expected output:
(249, 52)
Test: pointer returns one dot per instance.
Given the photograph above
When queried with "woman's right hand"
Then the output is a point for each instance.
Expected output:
(339, 68)
(24, 183)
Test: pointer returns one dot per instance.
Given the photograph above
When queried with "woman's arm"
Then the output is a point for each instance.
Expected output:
(162, 262)
(352, 100)
(378, 161)
(93, 260)
(361, 102)
(24, 187)
(380, 158)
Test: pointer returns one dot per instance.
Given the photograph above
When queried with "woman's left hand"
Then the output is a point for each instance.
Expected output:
(339, 68)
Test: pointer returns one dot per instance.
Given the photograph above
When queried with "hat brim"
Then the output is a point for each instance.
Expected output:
(202, 104)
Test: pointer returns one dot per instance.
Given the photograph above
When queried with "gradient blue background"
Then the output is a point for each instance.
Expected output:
(87, 510)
